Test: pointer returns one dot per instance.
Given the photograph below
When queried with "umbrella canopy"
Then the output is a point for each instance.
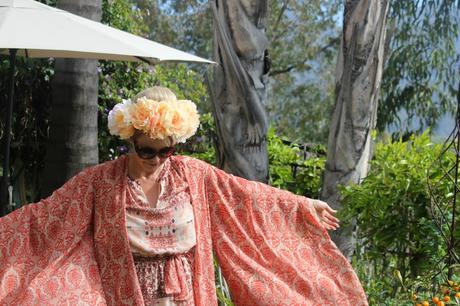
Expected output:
(38, 30)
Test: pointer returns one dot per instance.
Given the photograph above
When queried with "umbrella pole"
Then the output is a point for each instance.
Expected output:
(5, 199)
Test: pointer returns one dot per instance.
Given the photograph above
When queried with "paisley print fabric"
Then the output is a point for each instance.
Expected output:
(73, 248)
(165, 281)
(47, 255)
(273, 249)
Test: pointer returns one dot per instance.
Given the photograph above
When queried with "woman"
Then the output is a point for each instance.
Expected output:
(142, 229)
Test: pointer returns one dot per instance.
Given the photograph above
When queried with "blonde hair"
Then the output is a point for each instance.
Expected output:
(157, 93)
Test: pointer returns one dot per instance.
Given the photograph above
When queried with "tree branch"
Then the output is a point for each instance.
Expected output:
(298, 64)
(275, 32)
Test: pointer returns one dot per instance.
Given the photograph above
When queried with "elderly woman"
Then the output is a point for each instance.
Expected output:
(142, 229)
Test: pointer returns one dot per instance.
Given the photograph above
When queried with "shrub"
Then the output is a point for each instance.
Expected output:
(399, 247)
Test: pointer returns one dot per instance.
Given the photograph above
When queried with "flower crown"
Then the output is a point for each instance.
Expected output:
(158, 119)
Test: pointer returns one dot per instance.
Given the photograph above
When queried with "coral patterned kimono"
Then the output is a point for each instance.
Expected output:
(72, 247)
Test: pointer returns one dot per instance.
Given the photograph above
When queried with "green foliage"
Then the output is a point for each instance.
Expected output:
(396, 232)
(119, 14)
(283, 159)
(422, 70)
(185, 25)
(29, 121)
(221, 287)
(288, 169)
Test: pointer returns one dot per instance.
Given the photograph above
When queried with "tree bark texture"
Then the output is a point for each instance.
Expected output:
(239, 89)
(72, 144)
(358, 78)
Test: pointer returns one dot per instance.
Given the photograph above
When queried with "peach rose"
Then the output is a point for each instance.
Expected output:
(143, 112)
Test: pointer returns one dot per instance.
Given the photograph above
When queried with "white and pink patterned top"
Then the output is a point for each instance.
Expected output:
(162, 239)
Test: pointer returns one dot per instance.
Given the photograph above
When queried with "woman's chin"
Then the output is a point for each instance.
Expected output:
(150, 163)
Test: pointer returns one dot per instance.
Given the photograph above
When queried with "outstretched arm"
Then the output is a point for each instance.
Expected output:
(40, 235)
(273, 246)
(217, 178)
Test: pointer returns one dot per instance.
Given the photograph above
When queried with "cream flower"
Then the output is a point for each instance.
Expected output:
(188, 114)
(119, 120)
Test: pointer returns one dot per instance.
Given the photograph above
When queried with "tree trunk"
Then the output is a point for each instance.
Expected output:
(72, 144)
(358, 77)
(239, 89)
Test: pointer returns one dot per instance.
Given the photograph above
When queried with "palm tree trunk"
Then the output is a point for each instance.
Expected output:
(358, 77)
(72, 144)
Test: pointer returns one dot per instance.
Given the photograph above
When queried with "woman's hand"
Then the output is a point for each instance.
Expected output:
(325, 214)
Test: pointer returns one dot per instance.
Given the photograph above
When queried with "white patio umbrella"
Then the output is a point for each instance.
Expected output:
(32, 29)
(38, 30)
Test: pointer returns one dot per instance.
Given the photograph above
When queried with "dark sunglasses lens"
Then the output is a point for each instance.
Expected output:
(149, 153)
(146, 153)
(166, 152)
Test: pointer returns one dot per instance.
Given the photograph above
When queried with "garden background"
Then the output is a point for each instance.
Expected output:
(399, 214)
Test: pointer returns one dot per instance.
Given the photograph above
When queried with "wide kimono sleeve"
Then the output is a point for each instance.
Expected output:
(272, 248)
(46, 249)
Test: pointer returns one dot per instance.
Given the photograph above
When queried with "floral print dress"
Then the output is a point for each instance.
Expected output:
(162, 239)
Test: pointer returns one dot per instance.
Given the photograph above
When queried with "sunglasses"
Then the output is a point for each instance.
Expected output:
(149, 153)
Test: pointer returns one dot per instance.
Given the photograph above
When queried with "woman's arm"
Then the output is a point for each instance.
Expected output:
(273, 246)
(324, 213)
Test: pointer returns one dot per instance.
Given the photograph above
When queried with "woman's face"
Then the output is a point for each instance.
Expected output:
(145, 145)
